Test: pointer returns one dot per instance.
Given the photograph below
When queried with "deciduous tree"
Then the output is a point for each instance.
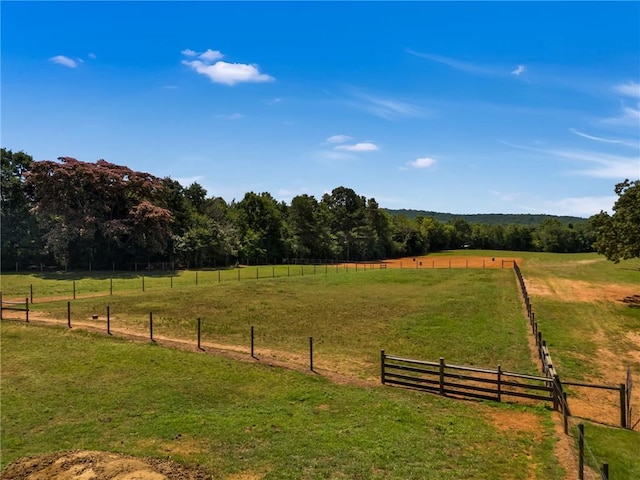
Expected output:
(618, 235)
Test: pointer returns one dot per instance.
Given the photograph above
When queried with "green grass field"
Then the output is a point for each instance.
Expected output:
(72, 390)
(470, 317)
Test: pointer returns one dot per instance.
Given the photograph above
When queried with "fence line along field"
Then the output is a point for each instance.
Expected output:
(412, 312)
(45, 286)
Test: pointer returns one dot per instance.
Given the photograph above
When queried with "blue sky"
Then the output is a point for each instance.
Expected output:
(480, 107)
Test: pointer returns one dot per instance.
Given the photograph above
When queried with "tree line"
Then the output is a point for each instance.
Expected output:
(75, 214)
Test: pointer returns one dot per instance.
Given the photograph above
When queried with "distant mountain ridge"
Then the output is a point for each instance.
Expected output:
(527, 219)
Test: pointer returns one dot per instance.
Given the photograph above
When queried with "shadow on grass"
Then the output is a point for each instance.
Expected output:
(632, 301)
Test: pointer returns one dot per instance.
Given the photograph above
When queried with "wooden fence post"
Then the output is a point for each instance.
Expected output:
(74, 289)
(604, 471)
(311, 353)
(556, 392)
(499, 383)
(382, 360)
(69, 314)
(199, 334)
(238, 274)
(623, 406)
(111, 286)
(252, 342)
(581, 451)
(441, 376)
(26, 307)
(108, 320)
(151, 326)
(31, 292)
(565, 413)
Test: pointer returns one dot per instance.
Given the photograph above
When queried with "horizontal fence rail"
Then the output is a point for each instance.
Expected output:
(480, 383)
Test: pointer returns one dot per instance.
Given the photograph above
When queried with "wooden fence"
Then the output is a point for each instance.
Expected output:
(463, 381)
(15, 306)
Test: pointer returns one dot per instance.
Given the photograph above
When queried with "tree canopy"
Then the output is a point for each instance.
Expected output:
(618, 235)
(78, 214)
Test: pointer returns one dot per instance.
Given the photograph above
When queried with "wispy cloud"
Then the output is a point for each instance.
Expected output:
(92, 56)
(629, 89)
(505, 196)
(186, 181)
(62, 60)
(424, 162)
(358, 147)
(520, 69)
(626, 143)
(576, 206)
(338, 139)
(224, 72)
(387, 108)
(599, 165)
(470, 67)
(630, 117)
(453, 63)
(233, 116)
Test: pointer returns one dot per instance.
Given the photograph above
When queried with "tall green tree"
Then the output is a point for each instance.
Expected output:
(261, 225)
(618, 235)
(21, 238)
(347, 217)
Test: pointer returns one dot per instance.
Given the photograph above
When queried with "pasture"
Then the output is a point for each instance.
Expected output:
(470, 316)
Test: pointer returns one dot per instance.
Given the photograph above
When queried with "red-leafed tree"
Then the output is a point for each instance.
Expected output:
(98, 212)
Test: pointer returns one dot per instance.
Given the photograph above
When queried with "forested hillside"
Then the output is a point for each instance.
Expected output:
(529, 219)
(78, 215)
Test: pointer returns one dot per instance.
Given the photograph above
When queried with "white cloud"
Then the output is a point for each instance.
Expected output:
(424, 162)
(519, 70)
(358, 147)
(62, 60)
(186, 181)
(229, 73)
(188, 52)
(92, 55)
(338, 139)
(333, 155)
(629, 89)
(577, 206)
(211, 55)
(233, 116)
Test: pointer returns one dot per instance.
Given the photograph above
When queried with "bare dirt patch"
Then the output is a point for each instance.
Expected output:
(580, 291)
(96, 465)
